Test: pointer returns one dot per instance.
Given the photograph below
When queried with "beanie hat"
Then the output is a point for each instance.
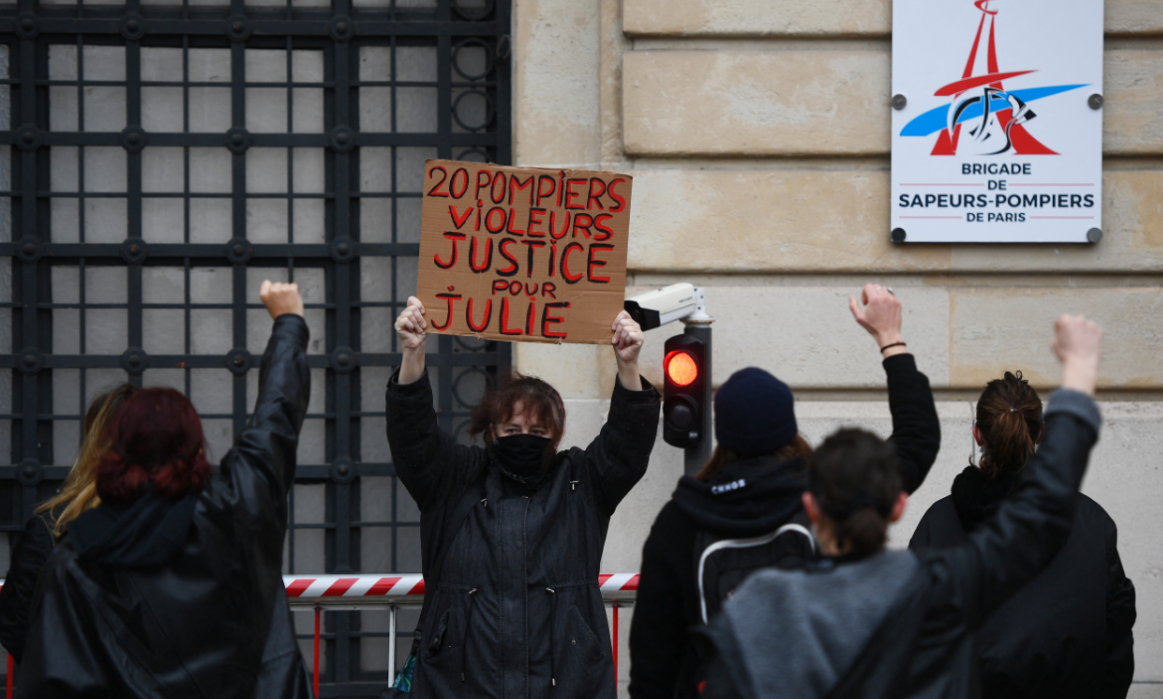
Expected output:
(754, 412)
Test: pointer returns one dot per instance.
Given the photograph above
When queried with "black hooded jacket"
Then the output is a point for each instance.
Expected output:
(901, 624)
(185, 598)
(663, 660)
(517, 611)
(1067, 634)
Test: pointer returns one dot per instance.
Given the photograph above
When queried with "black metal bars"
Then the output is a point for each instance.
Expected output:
(164, 158)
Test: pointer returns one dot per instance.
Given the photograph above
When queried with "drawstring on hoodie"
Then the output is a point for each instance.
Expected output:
(472, 604)
(552, 636)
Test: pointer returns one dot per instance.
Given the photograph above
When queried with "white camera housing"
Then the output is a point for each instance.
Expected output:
(666, 305)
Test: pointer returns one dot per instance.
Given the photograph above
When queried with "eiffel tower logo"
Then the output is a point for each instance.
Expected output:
(984, 118)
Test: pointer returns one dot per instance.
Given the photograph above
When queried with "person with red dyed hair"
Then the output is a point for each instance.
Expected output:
(172, 586)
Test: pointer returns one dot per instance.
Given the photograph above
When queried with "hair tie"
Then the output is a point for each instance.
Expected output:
(1013, 410)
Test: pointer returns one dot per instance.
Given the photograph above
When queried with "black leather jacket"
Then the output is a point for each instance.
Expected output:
(901, 624)
(28, 557)
(211, 622)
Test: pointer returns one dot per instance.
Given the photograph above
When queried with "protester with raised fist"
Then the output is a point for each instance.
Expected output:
(172, 586)
(872, 623)
(1068, 632)
(512, 533)
(744, 510)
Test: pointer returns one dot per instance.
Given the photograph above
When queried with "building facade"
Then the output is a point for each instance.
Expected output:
(757, 133)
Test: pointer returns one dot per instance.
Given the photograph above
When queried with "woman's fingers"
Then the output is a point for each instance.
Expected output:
(858, 314)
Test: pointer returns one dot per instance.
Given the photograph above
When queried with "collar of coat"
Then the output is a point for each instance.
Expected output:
(976, 498)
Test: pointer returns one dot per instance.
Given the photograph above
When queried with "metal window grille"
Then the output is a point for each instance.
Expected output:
(164, 157)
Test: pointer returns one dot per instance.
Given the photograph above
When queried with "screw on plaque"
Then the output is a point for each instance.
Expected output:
(898, 235)
(899, 102)
(1094, 235)
(1095, 101)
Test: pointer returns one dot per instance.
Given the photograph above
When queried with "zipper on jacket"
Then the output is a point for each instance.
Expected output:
(552, 635)
(472, 603)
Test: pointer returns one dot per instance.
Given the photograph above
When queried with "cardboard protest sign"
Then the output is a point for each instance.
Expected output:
(523, 254)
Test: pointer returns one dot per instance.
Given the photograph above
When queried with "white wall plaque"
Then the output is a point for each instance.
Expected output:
(999, 140)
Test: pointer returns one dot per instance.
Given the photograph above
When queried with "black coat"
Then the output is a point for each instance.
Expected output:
(1067, 634)
(517, 611)
(28, 557)
(212, 620)
(901, 624)
(663, 661)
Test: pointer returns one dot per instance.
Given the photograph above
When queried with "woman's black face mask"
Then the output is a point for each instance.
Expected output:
(524, 456)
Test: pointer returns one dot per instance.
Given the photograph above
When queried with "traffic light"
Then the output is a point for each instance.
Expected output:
(685, 373)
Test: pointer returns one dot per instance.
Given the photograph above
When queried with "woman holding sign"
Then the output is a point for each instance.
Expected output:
(512, 534)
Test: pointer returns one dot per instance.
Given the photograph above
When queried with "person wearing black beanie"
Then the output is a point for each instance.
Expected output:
(751, 491)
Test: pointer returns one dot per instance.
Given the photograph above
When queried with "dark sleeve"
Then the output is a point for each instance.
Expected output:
(1120, 618)
(31, 552)
(427, 459)
(1031, 524)
(618, 456)
(921, 539)
(916, 431)
(261, 465)
(658, 632)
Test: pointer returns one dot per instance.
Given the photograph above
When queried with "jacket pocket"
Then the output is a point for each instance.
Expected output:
(446, 647)
(582, 667)
(434, 650)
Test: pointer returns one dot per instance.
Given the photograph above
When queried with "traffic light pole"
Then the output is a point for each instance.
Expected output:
(698, 326)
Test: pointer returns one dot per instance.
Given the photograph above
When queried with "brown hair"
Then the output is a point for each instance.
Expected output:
(80, 490)
(855, 478)
(798, 448)
(537, 399)
(1009, 418)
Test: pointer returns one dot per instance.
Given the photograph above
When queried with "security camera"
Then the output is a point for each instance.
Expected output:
(662, 306)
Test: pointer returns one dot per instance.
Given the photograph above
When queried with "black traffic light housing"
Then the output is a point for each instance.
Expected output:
(684, 396)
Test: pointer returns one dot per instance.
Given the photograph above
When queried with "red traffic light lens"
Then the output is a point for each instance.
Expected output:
(681, 368)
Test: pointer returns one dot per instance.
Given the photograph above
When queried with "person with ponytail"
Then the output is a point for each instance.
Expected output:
(876, 624)
(1068, 633)
(744, 509)
(47, 525)
(172, 585)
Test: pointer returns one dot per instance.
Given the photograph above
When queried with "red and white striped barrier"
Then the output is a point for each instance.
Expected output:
(407, 587)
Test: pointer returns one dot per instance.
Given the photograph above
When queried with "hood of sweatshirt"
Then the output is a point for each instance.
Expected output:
(146, 533)
(975, 498)
(748, 498)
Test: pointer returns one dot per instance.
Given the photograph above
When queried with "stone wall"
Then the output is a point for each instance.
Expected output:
(758, 135)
